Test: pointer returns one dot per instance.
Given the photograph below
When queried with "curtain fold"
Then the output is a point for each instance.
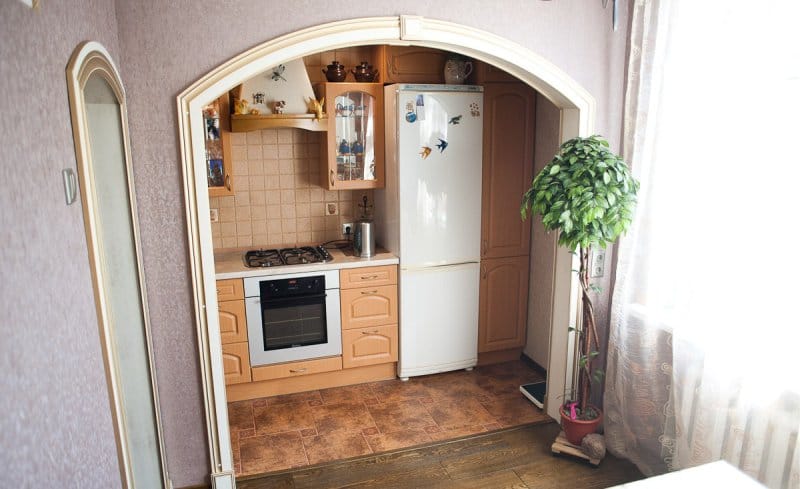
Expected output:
(703, 334)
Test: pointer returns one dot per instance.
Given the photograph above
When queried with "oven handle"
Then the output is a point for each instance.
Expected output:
(298, 299)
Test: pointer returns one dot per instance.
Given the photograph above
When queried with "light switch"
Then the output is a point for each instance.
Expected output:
(214, 215)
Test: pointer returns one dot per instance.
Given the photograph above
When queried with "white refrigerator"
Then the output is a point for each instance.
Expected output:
(429, 215)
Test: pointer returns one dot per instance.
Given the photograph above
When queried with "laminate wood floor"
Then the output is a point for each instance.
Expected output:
(514, 458)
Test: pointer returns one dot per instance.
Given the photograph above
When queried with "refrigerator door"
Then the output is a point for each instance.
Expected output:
(439, 319)
(439, 175)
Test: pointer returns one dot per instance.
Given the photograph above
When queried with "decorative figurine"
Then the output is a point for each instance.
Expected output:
(426, 151)
(277, 73)
(240, 106)
(254, 112)
(344, 147)
(317, 107)
(258, 98)
(278, 106)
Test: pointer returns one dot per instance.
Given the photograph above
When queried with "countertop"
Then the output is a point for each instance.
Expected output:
(230, 264)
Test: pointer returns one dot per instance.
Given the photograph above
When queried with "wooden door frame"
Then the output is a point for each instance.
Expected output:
(577, 119)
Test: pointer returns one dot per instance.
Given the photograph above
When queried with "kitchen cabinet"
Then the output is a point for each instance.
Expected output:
(232, 321)
(369, 306)
(367, 276)
(412, 64)
(503, 304)
(508, 133)
(295, 369)
(487, 73)
(216, 122)
(369, 346)
(508, 139)
(236, 363)
(353, 154)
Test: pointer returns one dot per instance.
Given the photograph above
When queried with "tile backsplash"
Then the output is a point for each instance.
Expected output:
(277, 201)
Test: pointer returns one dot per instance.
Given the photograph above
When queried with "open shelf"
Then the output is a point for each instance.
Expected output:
(247, 122)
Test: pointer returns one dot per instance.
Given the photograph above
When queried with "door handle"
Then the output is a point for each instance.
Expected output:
(332, 179)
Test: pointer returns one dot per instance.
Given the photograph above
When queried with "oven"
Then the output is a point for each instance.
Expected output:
(293, 317)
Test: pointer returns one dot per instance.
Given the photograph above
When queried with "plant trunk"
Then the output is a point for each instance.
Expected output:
(588, 330)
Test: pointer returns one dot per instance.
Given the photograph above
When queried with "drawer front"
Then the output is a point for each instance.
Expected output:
(350, 278)
(232, 322)
(230, 290)
(294, 369)
(369, 346)
(236, 363)
(369, 306)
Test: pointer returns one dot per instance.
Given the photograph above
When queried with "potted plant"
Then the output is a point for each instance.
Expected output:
(588, 195)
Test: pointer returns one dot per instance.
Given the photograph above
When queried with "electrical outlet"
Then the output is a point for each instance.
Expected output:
(597, 264)
(214, 215)
(347, 228)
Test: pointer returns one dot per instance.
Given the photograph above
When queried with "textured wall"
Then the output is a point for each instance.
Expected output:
(55, 427)
(168, 45)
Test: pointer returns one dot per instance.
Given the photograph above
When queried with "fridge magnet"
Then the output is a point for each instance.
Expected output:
(425, 152)
(442, 145)
(420, 107)
(474, 110)
(455, 120)
(411, 117)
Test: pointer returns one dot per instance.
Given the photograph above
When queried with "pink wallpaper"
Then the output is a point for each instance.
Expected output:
(51, 426)
(55, 427)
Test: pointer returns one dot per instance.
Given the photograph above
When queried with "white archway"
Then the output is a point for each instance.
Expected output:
(577, 118)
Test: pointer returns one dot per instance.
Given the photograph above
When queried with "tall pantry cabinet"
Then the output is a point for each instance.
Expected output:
(508, 138)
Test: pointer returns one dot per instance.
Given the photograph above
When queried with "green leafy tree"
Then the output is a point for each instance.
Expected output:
(588, 195)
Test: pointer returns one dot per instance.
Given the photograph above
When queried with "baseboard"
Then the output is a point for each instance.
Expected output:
(532, 364)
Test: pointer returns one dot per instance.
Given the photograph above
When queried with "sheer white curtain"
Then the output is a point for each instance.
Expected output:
(704, 342)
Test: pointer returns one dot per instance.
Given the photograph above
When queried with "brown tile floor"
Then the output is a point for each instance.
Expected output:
(296, 430)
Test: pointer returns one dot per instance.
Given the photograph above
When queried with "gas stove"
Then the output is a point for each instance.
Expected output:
(286, 256)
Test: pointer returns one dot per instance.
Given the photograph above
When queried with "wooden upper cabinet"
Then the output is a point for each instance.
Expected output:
(353, 155)
(503, 304)
(508, 134)
(486, 73)
(219, 162)
(411, 64)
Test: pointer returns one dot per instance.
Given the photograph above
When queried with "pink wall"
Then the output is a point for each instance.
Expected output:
(50, 353)
(55, 427)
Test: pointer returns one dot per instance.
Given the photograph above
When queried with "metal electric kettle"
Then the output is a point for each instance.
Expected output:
(364, 233)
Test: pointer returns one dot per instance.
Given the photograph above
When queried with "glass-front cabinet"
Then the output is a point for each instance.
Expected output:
(216, 123)
(353, 156)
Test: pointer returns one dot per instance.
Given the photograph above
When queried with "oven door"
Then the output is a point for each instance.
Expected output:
(293, 328)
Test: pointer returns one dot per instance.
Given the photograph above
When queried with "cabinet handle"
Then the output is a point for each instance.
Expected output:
(369, 277)
(332, 179)
(370, 332)
(298, 371)
(228, 182)
(369, 292)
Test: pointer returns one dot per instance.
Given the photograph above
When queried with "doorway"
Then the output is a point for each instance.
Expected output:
(577, 115)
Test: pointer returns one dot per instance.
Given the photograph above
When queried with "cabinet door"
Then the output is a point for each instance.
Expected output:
(236, 363)
(369, 306)
(411, 64)
(350, 278)
(508, 133)
(216, 121)
(503, 303)
(232, 322)
(353, 155)
(369, 346)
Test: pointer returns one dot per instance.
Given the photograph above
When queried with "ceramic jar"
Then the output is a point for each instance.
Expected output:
(365, 72)
(335, 72)
(456, 71)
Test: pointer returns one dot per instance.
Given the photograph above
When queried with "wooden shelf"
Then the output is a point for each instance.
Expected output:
(247, 122)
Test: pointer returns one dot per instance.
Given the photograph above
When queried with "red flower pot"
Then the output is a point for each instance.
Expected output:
(576, 429)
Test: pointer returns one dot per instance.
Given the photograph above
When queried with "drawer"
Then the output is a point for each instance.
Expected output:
(369, 306)
(232, 322)
(369, 346)
(294, 369)
(230, 290)
(236, 363)
(367, 276)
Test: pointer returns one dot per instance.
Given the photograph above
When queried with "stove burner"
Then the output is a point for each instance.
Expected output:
(286, 256)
